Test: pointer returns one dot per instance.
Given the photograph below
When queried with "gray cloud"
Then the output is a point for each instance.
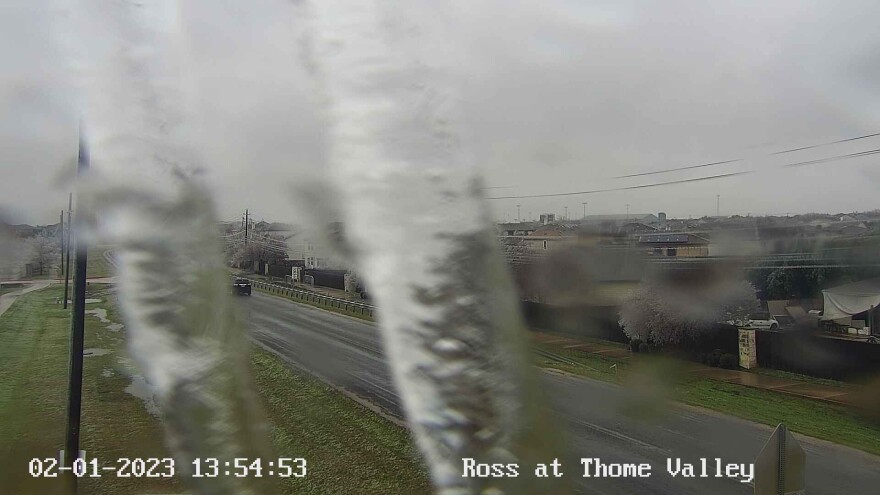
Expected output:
(558, 96)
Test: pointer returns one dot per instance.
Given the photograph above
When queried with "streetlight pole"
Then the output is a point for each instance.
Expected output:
(67, 267)
(62, 240)
(518, 218)
(566, 213)
(585, 209)
(627, 213)
(717, 205)
(77, 334)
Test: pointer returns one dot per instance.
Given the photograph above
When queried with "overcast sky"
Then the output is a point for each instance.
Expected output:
(559, 96)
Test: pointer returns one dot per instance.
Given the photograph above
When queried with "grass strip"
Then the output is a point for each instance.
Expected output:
(34, 353)
(349, 448)
(810, 417)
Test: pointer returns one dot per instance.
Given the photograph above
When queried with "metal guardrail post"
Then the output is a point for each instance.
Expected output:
(313, 297)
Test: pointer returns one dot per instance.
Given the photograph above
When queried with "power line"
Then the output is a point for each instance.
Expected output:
(611, 189)
(676, 169)
(695, 179)
(841, 157)
(866, 136)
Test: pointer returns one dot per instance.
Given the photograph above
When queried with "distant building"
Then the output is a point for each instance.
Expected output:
(620, 219)
(547, 218)
(680, 245)
(637, 228)
(613, 224)
(549, 237)
(518, 228)
(309, 246)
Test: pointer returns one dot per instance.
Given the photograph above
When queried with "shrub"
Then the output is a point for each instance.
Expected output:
(728, 361)
(714, 358)
(643, 347)
(634, 345)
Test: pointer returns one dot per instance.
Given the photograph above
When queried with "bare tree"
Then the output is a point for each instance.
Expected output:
(44, 252)
(270, 248)
(667, 315)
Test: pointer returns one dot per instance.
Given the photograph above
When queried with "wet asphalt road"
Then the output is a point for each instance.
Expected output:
(348, 353)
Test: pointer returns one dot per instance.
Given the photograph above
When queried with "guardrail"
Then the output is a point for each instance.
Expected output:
(314, 297)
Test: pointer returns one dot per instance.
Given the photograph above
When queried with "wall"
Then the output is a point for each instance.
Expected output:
(334, 279)
(584, 321)
(821, 357)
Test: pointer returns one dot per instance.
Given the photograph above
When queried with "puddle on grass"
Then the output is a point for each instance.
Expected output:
(87, 301)
(142, 390)
(95, 352)
(99, 313)
(115, 327)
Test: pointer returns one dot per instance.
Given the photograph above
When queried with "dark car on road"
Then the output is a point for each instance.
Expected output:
(241, 287)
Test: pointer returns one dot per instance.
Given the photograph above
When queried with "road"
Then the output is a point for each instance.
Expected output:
(347, 353)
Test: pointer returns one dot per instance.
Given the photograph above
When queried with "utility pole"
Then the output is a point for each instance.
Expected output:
(69, 228)
(717, 205)
(518, 218)
(566, 213)
(246, 224)
(585, 209)
(77, 334)
(62, 240)
(627, 213)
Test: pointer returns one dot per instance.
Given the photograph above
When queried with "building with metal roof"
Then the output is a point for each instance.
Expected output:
(674, 244)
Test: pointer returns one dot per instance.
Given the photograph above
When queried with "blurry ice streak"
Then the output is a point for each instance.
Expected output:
(419, 232)
(182, 331)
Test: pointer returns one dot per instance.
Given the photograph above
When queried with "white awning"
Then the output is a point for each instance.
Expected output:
(851, 299)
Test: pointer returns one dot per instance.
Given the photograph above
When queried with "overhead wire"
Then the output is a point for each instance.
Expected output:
(693, 179)
(676, 169)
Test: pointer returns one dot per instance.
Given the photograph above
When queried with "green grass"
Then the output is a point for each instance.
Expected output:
(578, 363)
(34, 337)
(796, 376)
(806, 416)
(97, 265)
(349, 448)
(5, 289)
(814, 418)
